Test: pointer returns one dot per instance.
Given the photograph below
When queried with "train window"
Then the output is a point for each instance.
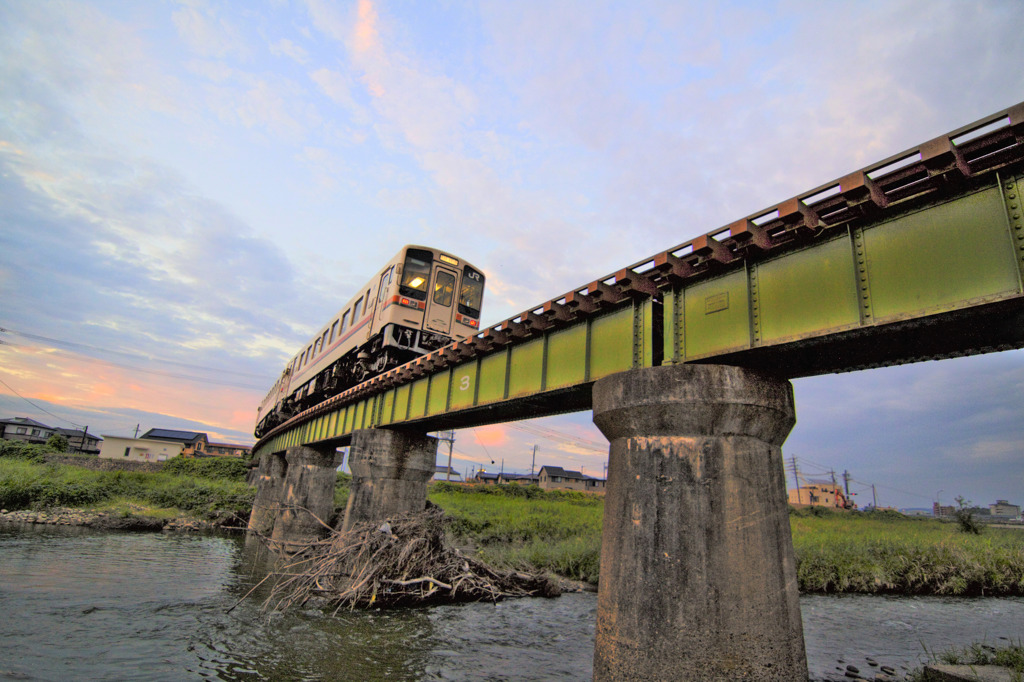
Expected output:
(471, 293)
(334, 331)
(444, 288)
(416, 273)
(355, 309)
(344, 322)
(323, 342)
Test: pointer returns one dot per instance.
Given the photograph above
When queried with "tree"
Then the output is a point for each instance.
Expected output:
(57, 442)
(965, 517)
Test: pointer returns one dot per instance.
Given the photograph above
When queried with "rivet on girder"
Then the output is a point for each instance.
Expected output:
(860, 253)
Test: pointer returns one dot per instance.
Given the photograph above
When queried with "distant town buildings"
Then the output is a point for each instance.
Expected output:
(549, 478)
(159, 445)
(30, 431)
(820, 494)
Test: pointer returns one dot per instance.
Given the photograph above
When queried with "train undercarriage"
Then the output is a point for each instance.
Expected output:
(394, 346)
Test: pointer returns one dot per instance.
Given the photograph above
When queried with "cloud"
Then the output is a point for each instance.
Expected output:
(289, 49)
(207, 33)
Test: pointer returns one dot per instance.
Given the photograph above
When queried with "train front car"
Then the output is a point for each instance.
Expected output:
(434, 298)
(421, 300)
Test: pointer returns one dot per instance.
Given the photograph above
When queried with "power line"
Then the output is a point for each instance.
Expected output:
(38, 407)
(75, 346)
(552, 434)
(81, 357)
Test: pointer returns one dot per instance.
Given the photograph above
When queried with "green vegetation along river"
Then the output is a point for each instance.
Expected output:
(524, 527)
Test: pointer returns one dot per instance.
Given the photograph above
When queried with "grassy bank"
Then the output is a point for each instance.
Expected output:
(890, 553)
(526, 527)
(884, 553)
(205, 489)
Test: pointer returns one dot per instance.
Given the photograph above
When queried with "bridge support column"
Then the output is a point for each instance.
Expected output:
(307, 496)
(698, 579)
(269, 486)
(390, 470)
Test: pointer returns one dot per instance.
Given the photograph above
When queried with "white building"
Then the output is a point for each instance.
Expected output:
(1002, 509)
(139, 449)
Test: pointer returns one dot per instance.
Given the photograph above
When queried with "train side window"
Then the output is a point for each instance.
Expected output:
(355, 309)
(323, 342)
(416, 274)
(444, 288)
(334, 331)
(344, 322)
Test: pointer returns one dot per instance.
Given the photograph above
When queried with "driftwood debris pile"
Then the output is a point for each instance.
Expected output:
(403, 562)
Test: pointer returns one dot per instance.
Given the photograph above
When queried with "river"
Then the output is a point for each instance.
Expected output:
(77, 604)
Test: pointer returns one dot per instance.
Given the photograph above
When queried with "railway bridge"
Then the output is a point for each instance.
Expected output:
(685, 359)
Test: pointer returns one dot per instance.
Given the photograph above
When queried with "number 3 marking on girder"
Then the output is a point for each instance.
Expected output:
(464, 384)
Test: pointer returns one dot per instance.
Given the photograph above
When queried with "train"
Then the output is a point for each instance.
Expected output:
(420, 300)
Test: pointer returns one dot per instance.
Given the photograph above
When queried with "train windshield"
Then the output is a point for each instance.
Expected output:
(416, 273)
(472, 292)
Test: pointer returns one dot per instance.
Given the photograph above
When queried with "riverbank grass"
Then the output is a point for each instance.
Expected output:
(524, 527)
(884, 553)
(29, 484)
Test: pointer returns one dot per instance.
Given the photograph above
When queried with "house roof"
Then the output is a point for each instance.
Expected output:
(512, 477)
(566, 473)
(77, 432)
(230, 445)
(24, 421)
(168, 434)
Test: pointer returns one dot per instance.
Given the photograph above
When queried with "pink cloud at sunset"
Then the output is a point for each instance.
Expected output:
(86, 385)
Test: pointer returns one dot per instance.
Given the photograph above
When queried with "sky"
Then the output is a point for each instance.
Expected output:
(190, 189)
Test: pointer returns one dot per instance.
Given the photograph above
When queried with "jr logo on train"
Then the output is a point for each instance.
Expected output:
(421, 300)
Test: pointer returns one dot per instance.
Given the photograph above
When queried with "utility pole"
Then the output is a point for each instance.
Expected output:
(846, 483)
(449, 438)
(796, 479)
(137, 430)
(874, 500)
(534, 461)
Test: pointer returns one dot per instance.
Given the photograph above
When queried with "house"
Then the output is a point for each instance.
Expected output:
(81, 440)
(519, 479)
(820, 494)
(443, 472)
(25, 430)
(557, 478)
(139, 449)
(486, 478)
(228, 450)
(193, 444)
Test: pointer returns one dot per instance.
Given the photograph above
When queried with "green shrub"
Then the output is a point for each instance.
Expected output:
(228, 468)
(17, 449)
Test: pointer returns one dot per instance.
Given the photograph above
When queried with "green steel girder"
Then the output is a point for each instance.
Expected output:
(919, 256)
(549, 373)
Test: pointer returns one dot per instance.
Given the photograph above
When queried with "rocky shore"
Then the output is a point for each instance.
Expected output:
(104, 521)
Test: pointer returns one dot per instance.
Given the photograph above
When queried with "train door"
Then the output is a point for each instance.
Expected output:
(383, 291)
(441, 301)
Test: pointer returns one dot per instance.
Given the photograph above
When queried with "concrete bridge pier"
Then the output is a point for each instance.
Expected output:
(305, 497)
(698, 579)
(390, 470)
(269, 486)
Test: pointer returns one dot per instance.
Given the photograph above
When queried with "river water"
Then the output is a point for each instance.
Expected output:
(83, 605)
